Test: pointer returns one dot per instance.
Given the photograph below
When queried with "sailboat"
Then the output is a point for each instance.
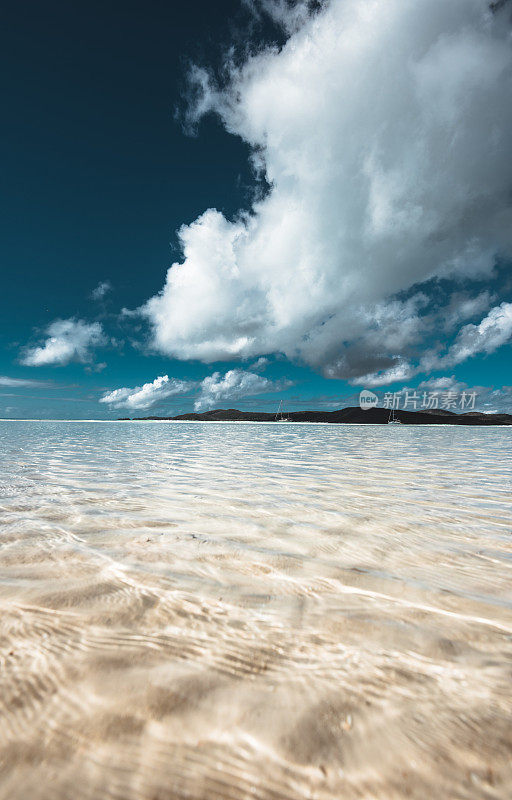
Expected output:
(392, 419)
(280, 416)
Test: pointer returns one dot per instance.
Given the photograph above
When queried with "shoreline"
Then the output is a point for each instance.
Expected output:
(264, 422)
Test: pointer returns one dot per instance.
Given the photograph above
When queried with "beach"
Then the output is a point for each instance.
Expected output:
(255, 611)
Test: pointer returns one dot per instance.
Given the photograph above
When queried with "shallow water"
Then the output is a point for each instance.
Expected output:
(255, 611)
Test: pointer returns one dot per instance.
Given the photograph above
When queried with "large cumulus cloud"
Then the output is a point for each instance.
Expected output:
(384, 130)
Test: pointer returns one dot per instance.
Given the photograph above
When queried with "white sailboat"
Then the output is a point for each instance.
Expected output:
(280, 416)
(392, 419)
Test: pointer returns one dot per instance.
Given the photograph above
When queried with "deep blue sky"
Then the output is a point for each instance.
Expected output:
(98, 175)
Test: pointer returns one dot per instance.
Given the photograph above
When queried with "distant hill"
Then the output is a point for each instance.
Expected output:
(351, 415)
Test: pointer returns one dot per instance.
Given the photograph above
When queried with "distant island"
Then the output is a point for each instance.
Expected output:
(350, 415)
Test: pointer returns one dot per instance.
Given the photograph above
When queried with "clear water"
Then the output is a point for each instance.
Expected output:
(223, 610)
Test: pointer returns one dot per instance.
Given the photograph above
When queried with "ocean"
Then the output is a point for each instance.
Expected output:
(251, 610)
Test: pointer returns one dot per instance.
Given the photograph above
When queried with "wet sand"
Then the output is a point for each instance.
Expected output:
(255, 612)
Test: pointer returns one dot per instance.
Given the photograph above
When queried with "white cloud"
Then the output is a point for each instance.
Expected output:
(147, 395)
(462, 307)
(401, 371)
(213, 389)
(384, 129)
(492, 332)
(101, 290)
(290, 16)
(99, 367)
(236, 383)
(67, 340)
(22, 383)
(495, 401)
(443, 383)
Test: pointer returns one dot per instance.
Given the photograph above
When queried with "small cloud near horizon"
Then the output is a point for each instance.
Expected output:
(233, 385)
(145, 396)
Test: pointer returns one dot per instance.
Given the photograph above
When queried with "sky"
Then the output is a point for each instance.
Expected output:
(231, 204)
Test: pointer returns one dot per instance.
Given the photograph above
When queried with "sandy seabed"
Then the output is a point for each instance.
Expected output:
(255, 612)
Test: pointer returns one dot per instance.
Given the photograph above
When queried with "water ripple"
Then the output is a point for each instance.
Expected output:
(254, 611)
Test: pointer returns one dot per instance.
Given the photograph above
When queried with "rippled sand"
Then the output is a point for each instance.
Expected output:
(255, 611)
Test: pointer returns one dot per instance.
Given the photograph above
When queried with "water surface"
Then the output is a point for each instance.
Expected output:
(212, 610)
